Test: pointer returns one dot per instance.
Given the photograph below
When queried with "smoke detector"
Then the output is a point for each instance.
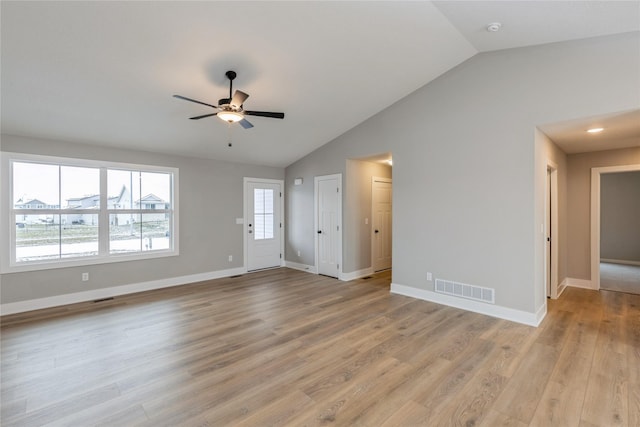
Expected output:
(494, 27)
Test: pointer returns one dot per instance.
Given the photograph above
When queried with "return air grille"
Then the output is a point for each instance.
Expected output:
(463, 290)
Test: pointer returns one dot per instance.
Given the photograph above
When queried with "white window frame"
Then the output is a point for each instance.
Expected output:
(8, 262)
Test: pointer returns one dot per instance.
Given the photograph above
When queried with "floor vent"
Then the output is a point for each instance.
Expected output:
(366, 278)
(477, 293)
(236, 276)
(103, 299)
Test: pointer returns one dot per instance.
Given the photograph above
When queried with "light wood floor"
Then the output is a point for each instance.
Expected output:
(284, 347)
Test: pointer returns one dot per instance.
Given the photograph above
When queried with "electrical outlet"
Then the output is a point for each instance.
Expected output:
(85, 277)
(429, 277)
(298, 253)
(230, 258)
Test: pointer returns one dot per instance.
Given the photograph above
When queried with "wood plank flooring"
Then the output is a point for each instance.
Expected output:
(288, 348)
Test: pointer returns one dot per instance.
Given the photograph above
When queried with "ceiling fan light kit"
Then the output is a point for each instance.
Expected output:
(230, 116)
(231, 109)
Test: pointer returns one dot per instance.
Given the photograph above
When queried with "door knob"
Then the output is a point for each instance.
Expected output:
(319, 231)
(377, 231)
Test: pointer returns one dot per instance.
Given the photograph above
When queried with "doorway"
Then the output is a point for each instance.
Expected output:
(596, 221)
(328, 224)
(551, 231)
(381, 230)
(616, 191)
(263, 223)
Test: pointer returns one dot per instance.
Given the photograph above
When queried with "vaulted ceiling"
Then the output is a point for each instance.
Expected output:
(104, 72)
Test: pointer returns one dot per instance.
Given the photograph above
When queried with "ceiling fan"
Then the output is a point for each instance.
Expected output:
(230, 109)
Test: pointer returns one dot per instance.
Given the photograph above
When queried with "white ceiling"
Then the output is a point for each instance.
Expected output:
(104, 72)
(621, 130)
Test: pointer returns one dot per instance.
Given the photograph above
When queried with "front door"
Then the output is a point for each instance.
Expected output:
(263, 225)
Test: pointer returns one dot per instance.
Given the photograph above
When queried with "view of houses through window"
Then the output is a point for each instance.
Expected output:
(60, 212)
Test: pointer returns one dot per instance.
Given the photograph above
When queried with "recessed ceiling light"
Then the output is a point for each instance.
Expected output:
(595, 130)
(494, 27)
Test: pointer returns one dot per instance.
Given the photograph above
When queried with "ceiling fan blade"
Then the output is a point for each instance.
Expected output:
(238, 99)
(193, 100)
(202, 117)
(265, 114)
(245, 124)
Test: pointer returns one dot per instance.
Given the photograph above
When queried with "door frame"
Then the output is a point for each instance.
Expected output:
(316, 241)
(373, 181)
(552, 167)
(595, 216)
(245, 207)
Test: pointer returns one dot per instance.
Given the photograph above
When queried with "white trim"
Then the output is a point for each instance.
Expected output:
(316, 179)
(553, 168)
(7, 230)
(245, 206)
(356, 274)
(619, 261)
(531, 319)
(562, 287)
(595, 216)
(301, 267)
(581, 283)
(58, 300)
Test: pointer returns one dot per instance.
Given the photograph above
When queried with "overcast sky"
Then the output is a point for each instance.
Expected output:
(42, 182)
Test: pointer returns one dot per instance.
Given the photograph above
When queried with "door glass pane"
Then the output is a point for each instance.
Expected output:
(258, 200)
(263, 213)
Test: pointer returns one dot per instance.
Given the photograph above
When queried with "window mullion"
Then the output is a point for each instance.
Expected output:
(103, 216)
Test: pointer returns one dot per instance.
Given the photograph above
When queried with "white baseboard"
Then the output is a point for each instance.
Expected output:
(58, 300)
(620, 261)
(301, 267)
(562, 286)
(531, 319)
(580, 283)
(356, 274)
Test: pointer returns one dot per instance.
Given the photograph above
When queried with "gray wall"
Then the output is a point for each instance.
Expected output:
(579, 203)
(468, 185)
(210, 197)
(620, 216)
(553, 153)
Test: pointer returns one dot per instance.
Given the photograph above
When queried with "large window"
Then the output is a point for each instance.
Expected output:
(66, 211)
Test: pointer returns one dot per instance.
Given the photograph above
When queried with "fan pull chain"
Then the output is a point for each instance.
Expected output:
(229, 143)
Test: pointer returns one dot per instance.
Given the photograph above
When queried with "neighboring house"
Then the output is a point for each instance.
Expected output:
(86, 202)
(36, 204)
(152, 202)
(121, 201)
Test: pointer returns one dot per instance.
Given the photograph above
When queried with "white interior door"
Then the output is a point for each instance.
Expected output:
(381, 223)
(263, 225)
(328, 223)
(548, 235)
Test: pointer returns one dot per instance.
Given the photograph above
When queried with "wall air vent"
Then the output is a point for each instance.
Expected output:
(477, 293)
